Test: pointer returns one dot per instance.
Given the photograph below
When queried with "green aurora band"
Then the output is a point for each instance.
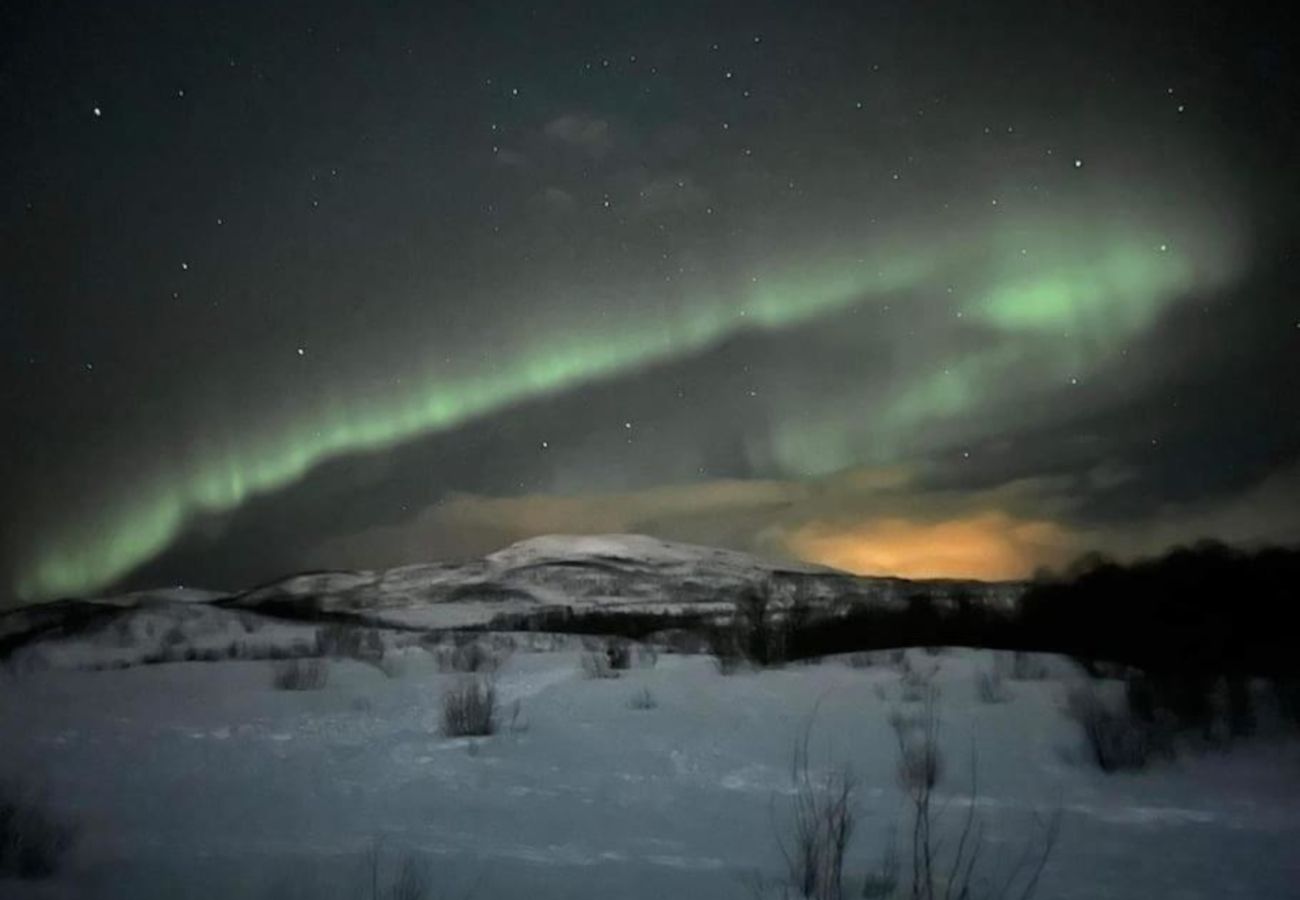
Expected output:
(1080, 285)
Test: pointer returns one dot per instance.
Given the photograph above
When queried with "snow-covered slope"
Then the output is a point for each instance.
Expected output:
(627, 572)
(199, 781)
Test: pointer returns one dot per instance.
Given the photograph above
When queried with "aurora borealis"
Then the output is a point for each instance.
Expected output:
(886, 289)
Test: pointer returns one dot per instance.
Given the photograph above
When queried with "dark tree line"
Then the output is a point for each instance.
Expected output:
(1201, 609)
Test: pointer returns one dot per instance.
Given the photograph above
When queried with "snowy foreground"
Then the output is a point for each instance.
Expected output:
(199, 780)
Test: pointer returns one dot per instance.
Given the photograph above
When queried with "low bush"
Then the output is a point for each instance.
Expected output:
(595, 665)
(299, 674)
(1028, 667)
(469, 658)
(469, 708)
(642, 699)
(920, 760)
(724, 647)
(917, 685)
(1115, 738)
(410, 881)
(393, 667)
(349, 642)
(609, 661)
(34, 843)
(990, 687)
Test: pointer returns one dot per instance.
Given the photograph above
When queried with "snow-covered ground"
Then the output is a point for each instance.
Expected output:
(197, 780)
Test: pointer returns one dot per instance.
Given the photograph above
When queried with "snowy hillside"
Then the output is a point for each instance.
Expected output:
(607, 571)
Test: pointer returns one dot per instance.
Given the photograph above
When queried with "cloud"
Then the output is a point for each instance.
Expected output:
(558, 199)
(873, 520)
(989, 545)
(471, 525)
(879, 521)
(581, 132)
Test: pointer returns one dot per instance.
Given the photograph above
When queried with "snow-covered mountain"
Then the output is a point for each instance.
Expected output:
(619, 572)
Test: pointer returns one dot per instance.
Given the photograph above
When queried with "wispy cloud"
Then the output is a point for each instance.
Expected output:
(587, 134)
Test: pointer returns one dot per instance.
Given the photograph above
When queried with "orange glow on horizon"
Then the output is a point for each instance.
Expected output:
(990, 546)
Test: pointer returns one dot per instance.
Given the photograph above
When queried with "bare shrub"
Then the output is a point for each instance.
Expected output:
(684, 641)
(470, 657)
(1027, 667)
(516, 723)
(753, 624)
(349, 642)
(990, 687)
(608, 661)
(946, 862)
(917, 685)
(33, 841)
(946, 859)
(173, 636)
(1114, 738)
(821, 826)
(393, 667)
(642, 699)
(619, 653)
(920, 761)
(469, 708)
(882, 881)
(724, 646)
(411, 881)
(754, 636)
(299, 674)
(595, 665)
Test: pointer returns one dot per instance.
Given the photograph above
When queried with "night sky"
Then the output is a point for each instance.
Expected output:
(929, 289)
